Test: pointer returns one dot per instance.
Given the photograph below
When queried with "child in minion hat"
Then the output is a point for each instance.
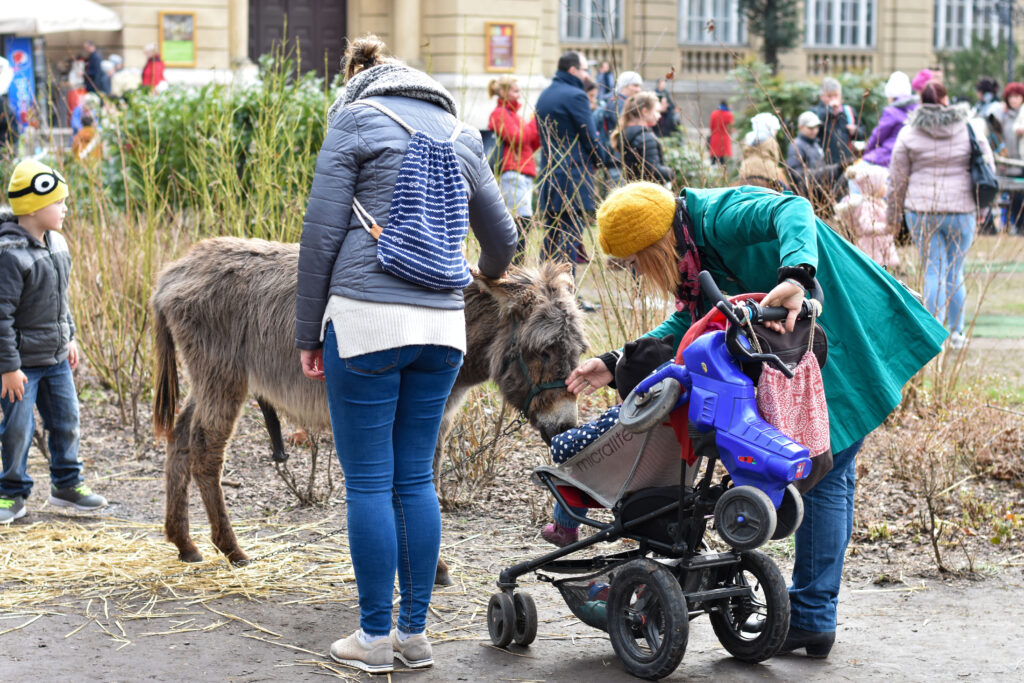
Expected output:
(35, 186)
(37, 347)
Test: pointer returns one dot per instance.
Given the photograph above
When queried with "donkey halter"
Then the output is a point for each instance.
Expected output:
(534, 387)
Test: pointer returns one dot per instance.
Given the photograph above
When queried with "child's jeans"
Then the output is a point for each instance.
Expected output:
(52, 390)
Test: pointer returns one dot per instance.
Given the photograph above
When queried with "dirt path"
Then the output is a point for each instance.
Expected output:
(922, 631)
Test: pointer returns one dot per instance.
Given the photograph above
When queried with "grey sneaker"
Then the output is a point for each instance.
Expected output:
(415, 652)
(79, 497)
(11, 509)
(377, 658)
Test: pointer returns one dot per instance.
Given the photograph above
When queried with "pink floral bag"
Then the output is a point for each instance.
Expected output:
(797, 408)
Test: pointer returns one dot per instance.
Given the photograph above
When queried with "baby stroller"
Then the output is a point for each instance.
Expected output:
(645, 597)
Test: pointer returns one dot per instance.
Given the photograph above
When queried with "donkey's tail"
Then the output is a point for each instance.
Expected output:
(165, 398)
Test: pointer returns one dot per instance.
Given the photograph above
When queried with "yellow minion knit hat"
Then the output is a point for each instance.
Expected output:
(35, 186)
(633, 217)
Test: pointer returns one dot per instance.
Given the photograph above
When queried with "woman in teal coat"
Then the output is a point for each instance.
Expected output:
(753, 239)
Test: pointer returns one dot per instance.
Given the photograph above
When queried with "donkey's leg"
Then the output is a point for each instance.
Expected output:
(221, 401)
(177, 474)
(273, 424)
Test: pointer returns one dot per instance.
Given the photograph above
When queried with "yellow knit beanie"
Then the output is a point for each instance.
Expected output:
(634, 217)
(35, 186)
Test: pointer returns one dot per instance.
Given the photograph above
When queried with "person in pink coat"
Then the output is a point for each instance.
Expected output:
(863, 215)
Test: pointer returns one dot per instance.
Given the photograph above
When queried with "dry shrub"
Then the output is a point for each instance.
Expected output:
(472, 455)
(303, 484)
(944, 455)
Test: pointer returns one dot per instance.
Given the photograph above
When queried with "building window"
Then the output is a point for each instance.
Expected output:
(840, 23)
(730, 28)
(591, 20)
(958, 22)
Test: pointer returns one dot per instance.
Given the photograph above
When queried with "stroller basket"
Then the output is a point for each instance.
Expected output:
(587, 596)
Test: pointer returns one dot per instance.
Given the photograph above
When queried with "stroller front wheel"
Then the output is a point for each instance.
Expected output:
(501, 619)
(526, 619)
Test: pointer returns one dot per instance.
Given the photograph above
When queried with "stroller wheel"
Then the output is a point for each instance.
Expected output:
(526, 619)
(790, 513)
(647, 619)
(640, 414)
(745, 517)
(501, 619)
(753, 627)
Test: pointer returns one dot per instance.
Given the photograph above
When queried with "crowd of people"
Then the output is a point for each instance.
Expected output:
(912, 175)
(88, 88)
(593, 133)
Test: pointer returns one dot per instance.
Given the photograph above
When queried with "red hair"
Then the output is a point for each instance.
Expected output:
(1012, 89)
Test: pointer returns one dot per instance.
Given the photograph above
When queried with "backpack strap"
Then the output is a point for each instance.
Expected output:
(390, 114)
(400, 121)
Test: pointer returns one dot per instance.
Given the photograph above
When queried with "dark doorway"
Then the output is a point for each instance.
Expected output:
(317, 25)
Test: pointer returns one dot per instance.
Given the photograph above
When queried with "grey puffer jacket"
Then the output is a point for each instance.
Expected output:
(35, 320)
(930, 169)
(360, 157)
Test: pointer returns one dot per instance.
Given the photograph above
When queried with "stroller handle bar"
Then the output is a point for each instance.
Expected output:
(737, 313)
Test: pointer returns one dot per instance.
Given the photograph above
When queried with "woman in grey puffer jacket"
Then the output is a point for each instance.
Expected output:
(388, 349)
(930, 179)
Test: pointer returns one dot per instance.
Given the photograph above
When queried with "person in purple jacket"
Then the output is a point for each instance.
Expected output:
(901, 102)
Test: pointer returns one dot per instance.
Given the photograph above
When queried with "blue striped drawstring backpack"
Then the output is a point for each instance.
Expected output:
(429, 215)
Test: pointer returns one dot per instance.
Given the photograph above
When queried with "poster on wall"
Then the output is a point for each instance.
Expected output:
(21, 93)
(178, 38)
(500, 41)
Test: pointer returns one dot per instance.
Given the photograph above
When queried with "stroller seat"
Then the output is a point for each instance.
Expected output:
(600, 463)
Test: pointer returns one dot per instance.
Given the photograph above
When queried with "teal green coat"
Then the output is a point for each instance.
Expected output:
(879, 335)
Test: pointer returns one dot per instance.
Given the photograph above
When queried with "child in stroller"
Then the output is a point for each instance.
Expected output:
(672, 576)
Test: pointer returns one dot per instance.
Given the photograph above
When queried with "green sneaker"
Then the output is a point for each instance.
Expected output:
(78, 497)
(11, 509)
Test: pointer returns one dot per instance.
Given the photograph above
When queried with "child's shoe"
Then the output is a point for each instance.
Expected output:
(11, 509)
(560, 535)
(414, 651)
(957, 341)
(79, 497)
(377, 657)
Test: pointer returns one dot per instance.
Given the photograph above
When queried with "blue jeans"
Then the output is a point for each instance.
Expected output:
(386, 412)
(821, 544)
(943, 240)
(52, 390)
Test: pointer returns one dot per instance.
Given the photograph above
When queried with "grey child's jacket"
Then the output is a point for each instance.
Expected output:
(35, 318)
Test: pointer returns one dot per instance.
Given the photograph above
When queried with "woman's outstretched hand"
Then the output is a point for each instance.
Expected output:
(788, 295)
(591, 375)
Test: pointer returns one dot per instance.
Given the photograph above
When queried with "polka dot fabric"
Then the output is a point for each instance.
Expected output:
(572, 441)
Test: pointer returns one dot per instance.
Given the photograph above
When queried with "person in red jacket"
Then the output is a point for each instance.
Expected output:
(721, 134)
(517, 140)
(153, 72)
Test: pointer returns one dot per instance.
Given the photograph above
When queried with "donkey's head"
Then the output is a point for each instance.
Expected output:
(536, 340)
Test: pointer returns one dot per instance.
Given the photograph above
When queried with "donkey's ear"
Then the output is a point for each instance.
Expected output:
(514, 292)
(564, 278)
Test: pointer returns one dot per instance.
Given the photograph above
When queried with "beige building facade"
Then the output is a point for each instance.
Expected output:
(699, 41)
